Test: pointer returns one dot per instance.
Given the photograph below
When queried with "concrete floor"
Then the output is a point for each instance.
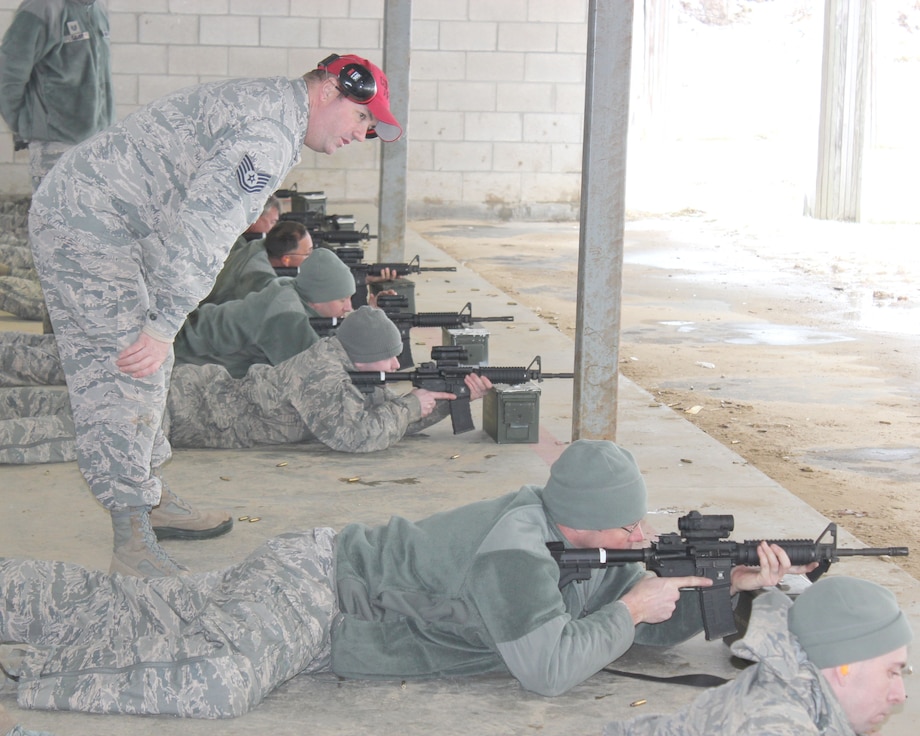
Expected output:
(49, 513)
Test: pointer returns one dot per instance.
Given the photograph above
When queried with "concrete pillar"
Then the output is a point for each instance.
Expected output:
(844, 100)
(394, 157)
(603, 205)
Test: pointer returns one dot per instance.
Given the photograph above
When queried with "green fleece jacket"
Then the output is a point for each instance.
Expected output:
(475, 590)
(247, 269)
(56, 72)
(267, 326)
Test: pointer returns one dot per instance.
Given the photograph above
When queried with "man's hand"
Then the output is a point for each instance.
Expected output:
(653, 600)
(386, 274)
(372, 298)
(774, 563)
(144, 357)
(478, 385)
(429, 399)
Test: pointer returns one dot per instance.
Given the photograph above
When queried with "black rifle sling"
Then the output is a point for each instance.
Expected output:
(698, 680)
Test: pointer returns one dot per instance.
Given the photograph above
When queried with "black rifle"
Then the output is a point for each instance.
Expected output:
(331, 230)
(405, 321)
(354, 259)
(446, 373)
(705, 551)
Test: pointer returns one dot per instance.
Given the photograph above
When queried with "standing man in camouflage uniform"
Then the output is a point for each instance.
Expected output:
(830, 663)
(466, 591)
(130, 230)
(271, 325)
(306, 398)
(55, 91)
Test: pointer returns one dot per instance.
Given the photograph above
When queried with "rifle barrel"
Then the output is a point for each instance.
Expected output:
(507, 318)
(874, 552)
(437, 268)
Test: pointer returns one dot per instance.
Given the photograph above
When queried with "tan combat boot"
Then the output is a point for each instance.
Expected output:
(173, 518)
(136, 550)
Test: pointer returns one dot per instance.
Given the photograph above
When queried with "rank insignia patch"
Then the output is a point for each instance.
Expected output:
(251, 180)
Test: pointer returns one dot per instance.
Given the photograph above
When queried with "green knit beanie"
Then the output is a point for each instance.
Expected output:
(368, 335)
(323, 277)
(594, 485)
(840, 620)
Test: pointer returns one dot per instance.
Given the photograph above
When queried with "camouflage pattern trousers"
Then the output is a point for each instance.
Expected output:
(98, 302)
(36, 425)
(209, 645)
(20, 291)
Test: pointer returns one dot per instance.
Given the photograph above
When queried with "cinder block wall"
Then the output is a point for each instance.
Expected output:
(497, 90)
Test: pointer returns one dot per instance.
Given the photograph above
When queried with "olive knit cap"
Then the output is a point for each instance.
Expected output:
(323, 277)
(368, 335)
(840, 620)
(594, 485)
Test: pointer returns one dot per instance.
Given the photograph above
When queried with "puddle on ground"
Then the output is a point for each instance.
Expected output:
(481, 230)
(891, 315)
(561, 262)
(901, 464)
(737, 333)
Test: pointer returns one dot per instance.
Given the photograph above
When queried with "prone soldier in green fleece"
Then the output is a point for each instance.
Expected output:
(466, 591)
(271, 325)
(250, 265)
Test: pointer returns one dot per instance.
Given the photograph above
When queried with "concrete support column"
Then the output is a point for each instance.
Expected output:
(844, 100)
(603, 205)
(394, 157)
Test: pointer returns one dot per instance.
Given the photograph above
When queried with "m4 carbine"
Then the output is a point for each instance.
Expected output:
(354, 259)
(404, 321)
(330, 230)
(702, 549)
(447, 373)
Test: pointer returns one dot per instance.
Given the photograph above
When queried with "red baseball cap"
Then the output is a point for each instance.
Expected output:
(365, 83)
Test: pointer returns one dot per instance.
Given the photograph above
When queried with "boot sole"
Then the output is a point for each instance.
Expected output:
(172, 532)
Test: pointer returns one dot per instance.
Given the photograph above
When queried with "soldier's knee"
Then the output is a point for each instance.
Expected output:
(232, 690)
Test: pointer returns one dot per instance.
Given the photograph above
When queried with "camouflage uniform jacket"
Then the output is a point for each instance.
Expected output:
(476, 590)
(307, 397)
(56, 72)
(247, 269)
(267, 326)
(783, 694)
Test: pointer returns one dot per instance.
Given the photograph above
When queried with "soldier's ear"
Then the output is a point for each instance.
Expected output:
(329, 90)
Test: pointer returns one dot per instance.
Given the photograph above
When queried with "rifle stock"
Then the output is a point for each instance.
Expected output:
(702, 549)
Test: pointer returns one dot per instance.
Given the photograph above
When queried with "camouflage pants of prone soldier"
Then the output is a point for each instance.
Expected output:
(209, 645)
(98, 304)
(28, 359)
(20, 291)
(36, 425)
